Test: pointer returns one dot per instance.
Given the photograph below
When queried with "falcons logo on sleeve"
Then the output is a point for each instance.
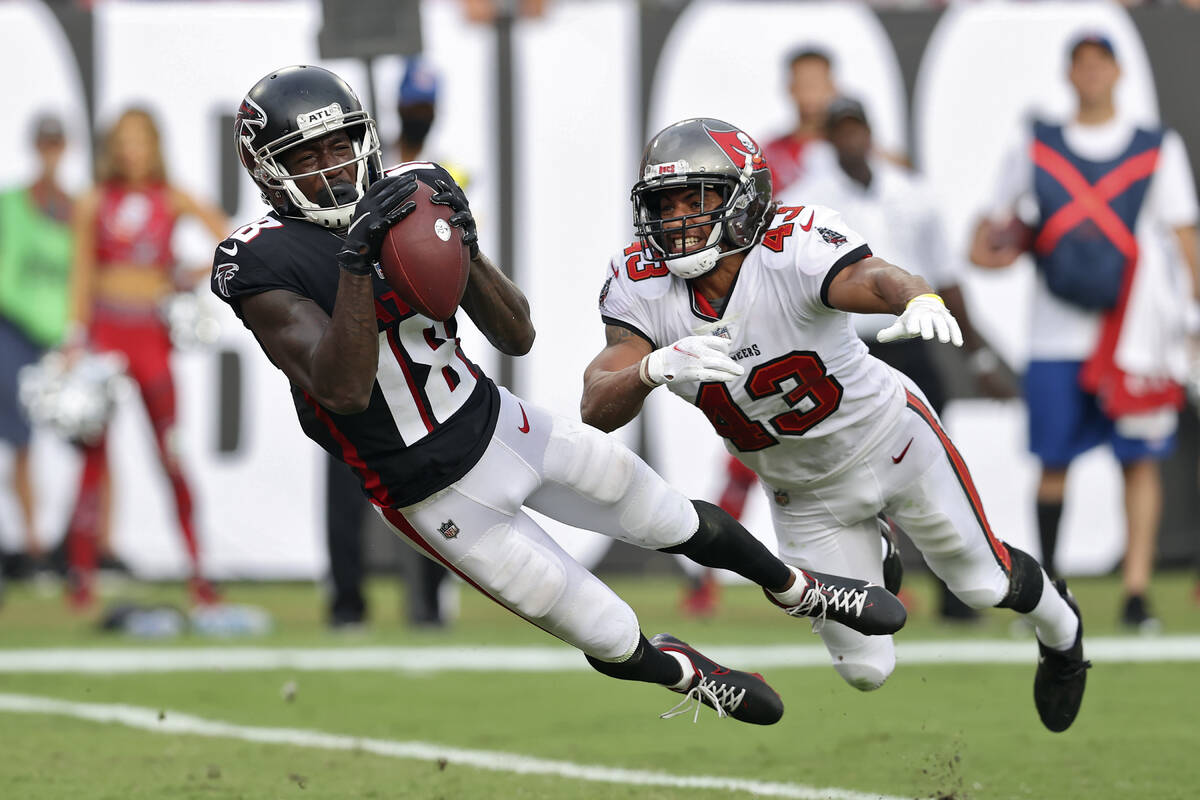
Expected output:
(223, 274)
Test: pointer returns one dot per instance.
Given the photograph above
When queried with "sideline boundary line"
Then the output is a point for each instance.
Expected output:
(176, 723)
(467, 658)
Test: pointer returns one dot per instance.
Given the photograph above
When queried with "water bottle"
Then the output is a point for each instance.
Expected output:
(153, 623)
(228, 621)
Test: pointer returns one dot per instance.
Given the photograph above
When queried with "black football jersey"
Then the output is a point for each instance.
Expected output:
(432, 411)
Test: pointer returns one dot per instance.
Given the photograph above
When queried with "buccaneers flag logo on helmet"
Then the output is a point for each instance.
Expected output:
(739, 148)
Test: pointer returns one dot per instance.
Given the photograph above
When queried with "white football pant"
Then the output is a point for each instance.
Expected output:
(570, 472)
(915, 475)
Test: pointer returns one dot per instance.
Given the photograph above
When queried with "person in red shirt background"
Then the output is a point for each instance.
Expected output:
(123, 270)
(811, 88)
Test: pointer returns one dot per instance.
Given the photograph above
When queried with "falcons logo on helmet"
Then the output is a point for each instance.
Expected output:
(250, 120)
(739, 148)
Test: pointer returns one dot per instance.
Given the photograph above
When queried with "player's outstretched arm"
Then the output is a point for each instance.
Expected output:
(613, 392)
(874, 286)
(627, 369)
(498, 308)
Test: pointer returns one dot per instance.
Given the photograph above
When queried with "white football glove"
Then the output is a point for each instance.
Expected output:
(925, 316)
(693, 358)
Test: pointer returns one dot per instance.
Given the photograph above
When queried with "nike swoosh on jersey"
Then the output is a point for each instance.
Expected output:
(903, 453)
(807, 226)
(231, 250)
(524, 428)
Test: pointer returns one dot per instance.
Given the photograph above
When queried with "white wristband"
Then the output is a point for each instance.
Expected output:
(644, 373)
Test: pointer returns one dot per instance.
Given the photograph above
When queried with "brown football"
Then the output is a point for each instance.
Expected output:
(424, 259)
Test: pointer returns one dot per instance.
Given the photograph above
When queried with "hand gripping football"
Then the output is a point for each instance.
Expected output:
(424, 259)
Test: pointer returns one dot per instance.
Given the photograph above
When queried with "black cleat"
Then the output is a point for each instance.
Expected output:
(1061, 676)
(860, 605)
(893, 567)
(745, 696)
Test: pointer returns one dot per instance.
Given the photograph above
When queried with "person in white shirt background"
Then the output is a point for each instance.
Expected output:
(1144, 185)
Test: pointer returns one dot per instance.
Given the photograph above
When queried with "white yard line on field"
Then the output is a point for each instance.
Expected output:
(173, 722)
(560, 658)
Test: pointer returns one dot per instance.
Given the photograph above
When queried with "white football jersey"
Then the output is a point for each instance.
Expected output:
(811, 398)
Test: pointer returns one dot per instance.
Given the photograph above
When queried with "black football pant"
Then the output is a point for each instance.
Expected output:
(345, 507)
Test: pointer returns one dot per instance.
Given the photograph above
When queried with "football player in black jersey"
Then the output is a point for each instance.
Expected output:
(446, 456)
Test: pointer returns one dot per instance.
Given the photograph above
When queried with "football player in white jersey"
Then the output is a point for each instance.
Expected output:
(740, 307)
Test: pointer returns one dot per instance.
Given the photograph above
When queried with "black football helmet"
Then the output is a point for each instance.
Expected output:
(713, 156)
(289, 106)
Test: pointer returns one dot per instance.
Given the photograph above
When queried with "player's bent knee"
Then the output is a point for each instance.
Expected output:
(603, 625)
(865, 677)
(596, 465)
(977, 598)
(864, 662)
(523, 574)
(657, 516)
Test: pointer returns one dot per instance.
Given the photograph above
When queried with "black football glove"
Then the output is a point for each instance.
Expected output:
(383, 205)
(448, 193)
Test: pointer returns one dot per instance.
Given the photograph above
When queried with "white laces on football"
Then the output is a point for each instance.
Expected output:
(721, 695)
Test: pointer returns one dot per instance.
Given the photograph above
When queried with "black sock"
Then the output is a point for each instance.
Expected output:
(1025, 582)
(722, 542)
(1048, 516)
(647, 663)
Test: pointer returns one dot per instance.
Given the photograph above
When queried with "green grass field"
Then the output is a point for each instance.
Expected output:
(934, 731)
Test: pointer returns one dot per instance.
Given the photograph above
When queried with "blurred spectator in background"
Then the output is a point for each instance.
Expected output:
(802, 151)
(35, 262)
(416, 108)
(424, 578)
(1107, 319)
(123, 270)
(345, 507)
(487, 10)
(894, 210)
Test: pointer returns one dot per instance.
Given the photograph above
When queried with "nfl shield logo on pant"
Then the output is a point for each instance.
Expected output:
(448, 529)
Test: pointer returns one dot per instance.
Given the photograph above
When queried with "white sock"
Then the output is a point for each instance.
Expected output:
(689, 672)
(1055, 622)
(793, 595)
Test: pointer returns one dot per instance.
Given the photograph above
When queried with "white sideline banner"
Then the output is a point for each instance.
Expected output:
(260, 510)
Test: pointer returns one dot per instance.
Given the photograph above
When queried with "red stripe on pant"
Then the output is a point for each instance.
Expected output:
(999, 549)
(405, 527)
